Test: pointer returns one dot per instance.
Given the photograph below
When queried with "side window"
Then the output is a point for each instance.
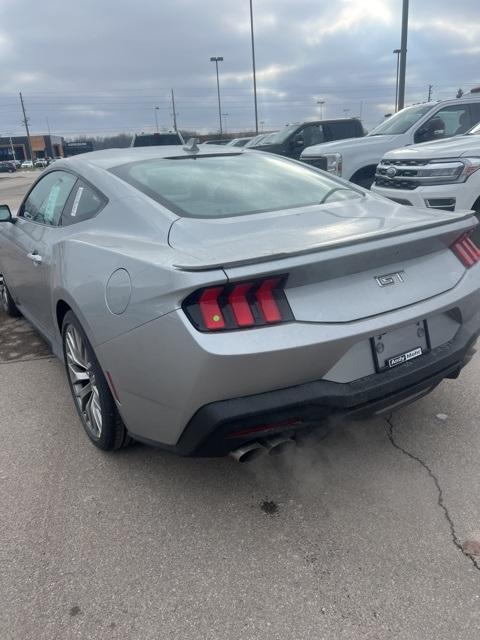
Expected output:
(46, 200)
(475, 111)
(84, 203)
(311, 134)
(449, 121)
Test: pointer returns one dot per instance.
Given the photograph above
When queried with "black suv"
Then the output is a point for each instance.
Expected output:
(156, 139)
(292, 140)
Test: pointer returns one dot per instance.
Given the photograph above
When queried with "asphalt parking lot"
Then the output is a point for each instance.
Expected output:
(369, 532)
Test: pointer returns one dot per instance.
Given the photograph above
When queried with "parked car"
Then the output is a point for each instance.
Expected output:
(292, 140)
(438, 175)
(40, 163)
(256, 140)
(238, 142)
(27, 164)
(206, 318)
(7, 166)
(357, 159)
(157, 139)
(218, 141)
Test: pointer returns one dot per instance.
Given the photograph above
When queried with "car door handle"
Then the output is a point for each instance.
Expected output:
(34, 257)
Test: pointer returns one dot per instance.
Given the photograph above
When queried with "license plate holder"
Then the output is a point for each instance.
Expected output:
(399, 346)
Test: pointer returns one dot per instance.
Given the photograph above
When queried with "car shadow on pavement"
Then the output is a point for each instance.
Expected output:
(19, 341)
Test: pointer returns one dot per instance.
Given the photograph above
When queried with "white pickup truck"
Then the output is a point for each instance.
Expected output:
(438, 175)
(356, 159)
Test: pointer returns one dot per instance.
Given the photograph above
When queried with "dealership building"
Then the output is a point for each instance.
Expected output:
(42, 147)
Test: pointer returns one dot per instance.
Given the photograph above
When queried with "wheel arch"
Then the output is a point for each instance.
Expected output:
(368, 171)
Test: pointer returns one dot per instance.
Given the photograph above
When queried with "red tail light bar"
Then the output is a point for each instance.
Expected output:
(239, 305)
(466, 250)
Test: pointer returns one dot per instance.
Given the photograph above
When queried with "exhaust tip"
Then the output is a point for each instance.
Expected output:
(279, 445)
(248, 452)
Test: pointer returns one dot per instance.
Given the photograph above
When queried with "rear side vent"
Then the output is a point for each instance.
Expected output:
(466, 250)
(239, 305)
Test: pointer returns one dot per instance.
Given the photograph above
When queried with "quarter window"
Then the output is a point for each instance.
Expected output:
(46, 200)
(83, 204)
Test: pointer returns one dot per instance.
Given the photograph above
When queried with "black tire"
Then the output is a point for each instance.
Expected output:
(113, 434)
(6, 300)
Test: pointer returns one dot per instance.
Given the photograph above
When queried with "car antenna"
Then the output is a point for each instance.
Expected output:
(192, 146)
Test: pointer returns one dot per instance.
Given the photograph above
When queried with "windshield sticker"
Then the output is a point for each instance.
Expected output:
(49, 212)
(76, 202)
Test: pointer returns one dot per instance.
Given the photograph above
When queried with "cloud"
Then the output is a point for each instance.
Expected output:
(88, 62)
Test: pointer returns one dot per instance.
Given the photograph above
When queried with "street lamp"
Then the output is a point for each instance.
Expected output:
(253, 67)
(218, 59)
(321, 103)
(397, 52)
(155, 109)
(225, 121)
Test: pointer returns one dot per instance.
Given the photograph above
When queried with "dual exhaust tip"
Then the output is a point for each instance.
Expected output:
(268, 446)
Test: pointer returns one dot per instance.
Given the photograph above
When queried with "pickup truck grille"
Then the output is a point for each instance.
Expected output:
(318, 163)
(399, 174)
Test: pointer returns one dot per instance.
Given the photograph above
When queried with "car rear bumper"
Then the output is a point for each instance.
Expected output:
(220, 427)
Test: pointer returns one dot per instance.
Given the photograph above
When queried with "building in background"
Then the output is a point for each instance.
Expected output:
(74, 148)
(42, 147)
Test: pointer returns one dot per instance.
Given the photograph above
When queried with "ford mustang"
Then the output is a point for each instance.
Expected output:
(213, 299)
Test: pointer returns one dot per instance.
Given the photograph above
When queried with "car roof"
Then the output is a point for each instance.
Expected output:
(109, 158)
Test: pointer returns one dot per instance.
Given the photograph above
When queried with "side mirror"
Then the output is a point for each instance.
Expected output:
(5, 213)
(298, 141)
(433, 129)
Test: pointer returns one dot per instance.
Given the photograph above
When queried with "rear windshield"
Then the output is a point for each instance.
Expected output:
(232, 185)
(156, 140)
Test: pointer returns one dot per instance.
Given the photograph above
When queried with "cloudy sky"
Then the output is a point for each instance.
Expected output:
(102, 66)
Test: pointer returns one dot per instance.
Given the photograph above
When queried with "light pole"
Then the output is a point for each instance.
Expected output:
(397, 51)
(225, 115)
(218, 59)
(346, 112)
(155, 109)
(253, 67)
(403, 56)
(262, 123)
(321, 103)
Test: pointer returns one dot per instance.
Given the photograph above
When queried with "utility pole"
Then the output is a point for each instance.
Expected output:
(174, 112)
(25, 122)
(155, 109)
(48, 127)
(430, 87)
(403, 56)
(12, 149)
(253, 66)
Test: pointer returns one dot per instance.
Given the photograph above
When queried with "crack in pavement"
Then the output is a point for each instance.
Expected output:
(440, 500)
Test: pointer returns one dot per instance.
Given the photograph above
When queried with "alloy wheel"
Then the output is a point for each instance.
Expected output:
(82, 377)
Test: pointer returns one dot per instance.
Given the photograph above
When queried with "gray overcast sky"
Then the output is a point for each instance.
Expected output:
(100, 66)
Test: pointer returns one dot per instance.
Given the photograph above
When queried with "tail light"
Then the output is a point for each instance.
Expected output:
(239, 305)
(466, 250)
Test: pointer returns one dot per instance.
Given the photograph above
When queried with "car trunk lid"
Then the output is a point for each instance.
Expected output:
(342, 264)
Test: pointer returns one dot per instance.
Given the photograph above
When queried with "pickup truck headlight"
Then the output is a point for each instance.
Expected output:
(334, 163)
(448, 171)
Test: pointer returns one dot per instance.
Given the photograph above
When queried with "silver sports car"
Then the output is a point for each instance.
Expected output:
(213, 300)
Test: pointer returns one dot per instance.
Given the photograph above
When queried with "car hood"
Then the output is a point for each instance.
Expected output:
(450, 148)
(222, 242)
(371, 142)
